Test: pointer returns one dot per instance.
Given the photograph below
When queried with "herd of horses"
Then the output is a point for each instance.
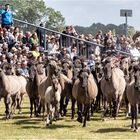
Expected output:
(52, 84)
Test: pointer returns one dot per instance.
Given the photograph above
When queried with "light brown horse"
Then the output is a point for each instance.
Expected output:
(113, 86)
(10, 88)
(84, 91)
(52, 99)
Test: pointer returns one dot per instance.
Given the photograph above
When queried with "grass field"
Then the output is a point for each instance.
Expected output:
(22, 127)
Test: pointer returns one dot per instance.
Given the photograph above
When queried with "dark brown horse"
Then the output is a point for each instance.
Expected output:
(133, 95)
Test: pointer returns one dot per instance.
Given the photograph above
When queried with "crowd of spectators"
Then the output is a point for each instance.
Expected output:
(21, 49)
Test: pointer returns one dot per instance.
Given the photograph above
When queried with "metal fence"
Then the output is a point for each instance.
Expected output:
(65, 40)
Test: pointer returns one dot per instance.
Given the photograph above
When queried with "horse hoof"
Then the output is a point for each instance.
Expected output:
(19, 112)
(31, 116)
(79, 120)
(136, 130)
(72, 118)
(84, 125)
(47, 125)
(115, 118)
(104, 119)
(37, 115)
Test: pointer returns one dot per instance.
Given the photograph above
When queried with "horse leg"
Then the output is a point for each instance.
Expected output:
(7, 102)
(128, 110)
(31, 107)
(136, 117)
(118, 104)
(20, 104)
(39, 105)
(13, 106)
(110, 106)
(73, 107)
(43, 112)
(114, 108)
(48, 114)
(105, 107)
(56, 112)
(86, 112)
(94, 107)
(66, 104)
(79, 112)
(132, 116)
(100, 95)
(61, 105)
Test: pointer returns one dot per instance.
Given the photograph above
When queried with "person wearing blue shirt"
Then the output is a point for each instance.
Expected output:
(6, 17)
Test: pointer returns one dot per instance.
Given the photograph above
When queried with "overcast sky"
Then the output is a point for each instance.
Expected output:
(86, 12)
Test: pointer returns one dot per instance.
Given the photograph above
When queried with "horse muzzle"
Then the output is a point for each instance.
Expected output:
(107, 78)
(137, 88)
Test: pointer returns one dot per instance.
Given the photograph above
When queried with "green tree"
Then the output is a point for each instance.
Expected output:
(55, 19)
(31, 11)
(131, 31)
(36, 11)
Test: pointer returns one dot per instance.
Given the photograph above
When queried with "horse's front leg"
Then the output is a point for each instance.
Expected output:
(86, 112)
(79, 112)
(7, 103)
(73, 107)
(136, 117)
(132, 116)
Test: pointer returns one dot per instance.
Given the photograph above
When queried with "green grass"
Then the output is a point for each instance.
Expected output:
(23, 127)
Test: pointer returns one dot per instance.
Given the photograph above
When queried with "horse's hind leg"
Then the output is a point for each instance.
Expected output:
(20, 104)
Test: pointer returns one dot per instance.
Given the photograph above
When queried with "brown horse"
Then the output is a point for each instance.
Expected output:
(84, 91)
(113, 86)
(133, 95)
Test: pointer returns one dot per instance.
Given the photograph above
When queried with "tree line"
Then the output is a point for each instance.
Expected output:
(36, 11)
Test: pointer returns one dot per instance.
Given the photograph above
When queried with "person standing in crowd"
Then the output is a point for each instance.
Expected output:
(6, 17)
(34, 40)
(40, 35)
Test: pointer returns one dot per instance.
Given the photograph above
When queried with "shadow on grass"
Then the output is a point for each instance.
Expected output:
(57, 126)
(109, 130)
(30, 127)
(27, 121)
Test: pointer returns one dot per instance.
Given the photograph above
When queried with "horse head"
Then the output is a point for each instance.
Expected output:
(108, 69)
(83, 77)
(124, 65)
(55, 82)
